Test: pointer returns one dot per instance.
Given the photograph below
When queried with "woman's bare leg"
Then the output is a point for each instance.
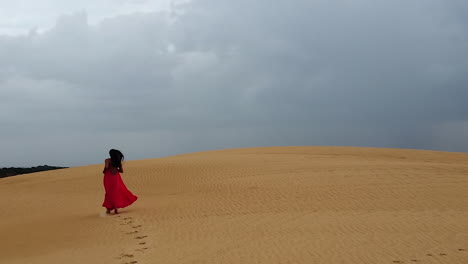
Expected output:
(115, 211)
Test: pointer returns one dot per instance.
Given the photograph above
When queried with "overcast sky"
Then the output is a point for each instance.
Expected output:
(158, 78)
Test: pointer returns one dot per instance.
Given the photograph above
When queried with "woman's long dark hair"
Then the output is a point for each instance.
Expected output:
(116, 158)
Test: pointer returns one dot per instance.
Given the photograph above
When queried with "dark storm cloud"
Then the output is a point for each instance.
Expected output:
(241, 73)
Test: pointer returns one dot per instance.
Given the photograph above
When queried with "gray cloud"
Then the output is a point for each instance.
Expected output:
(225, 74)
(19, 16)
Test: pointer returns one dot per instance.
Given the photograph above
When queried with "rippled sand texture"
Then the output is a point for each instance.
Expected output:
(260, 205)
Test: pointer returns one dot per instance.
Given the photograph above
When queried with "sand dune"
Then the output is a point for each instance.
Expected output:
(259, 205)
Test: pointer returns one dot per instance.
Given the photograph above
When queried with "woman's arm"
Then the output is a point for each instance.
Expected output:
(106, 165)
(121, 168)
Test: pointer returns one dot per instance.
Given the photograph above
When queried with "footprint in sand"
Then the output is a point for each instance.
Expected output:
(430, 255)
(131, 262)
(397, 261)
(128, 220)
(461, 249)
(141, 237)
(442, 254)
(142, 243)
(133, 232)
(125, 256)
(136, 226)
(141, 249)
(415, 260)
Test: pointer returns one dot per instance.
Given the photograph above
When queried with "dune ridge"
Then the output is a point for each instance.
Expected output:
(255, 205)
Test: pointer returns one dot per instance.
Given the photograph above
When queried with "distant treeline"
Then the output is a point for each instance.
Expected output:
(6, 172)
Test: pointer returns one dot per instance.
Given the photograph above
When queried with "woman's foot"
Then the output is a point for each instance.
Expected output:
(108, 211)
(115, 211)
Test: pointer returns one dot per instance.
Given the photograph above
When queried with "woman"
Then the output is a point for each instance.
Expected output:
(117, 194)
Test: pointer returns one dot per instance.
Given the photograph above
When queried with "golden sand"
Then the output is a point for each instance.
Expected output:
(259, 205)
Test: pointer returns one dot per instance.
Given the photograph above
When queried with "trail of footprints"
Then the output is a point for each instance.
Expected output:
(134, 229)
(431, 255)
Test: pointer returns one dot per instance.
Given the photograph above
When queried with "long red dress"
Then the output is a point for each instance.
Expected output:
(117, 194)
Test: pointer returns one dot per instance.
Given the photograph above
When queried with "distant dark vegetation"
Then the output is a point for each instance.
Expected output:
(6, 172)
